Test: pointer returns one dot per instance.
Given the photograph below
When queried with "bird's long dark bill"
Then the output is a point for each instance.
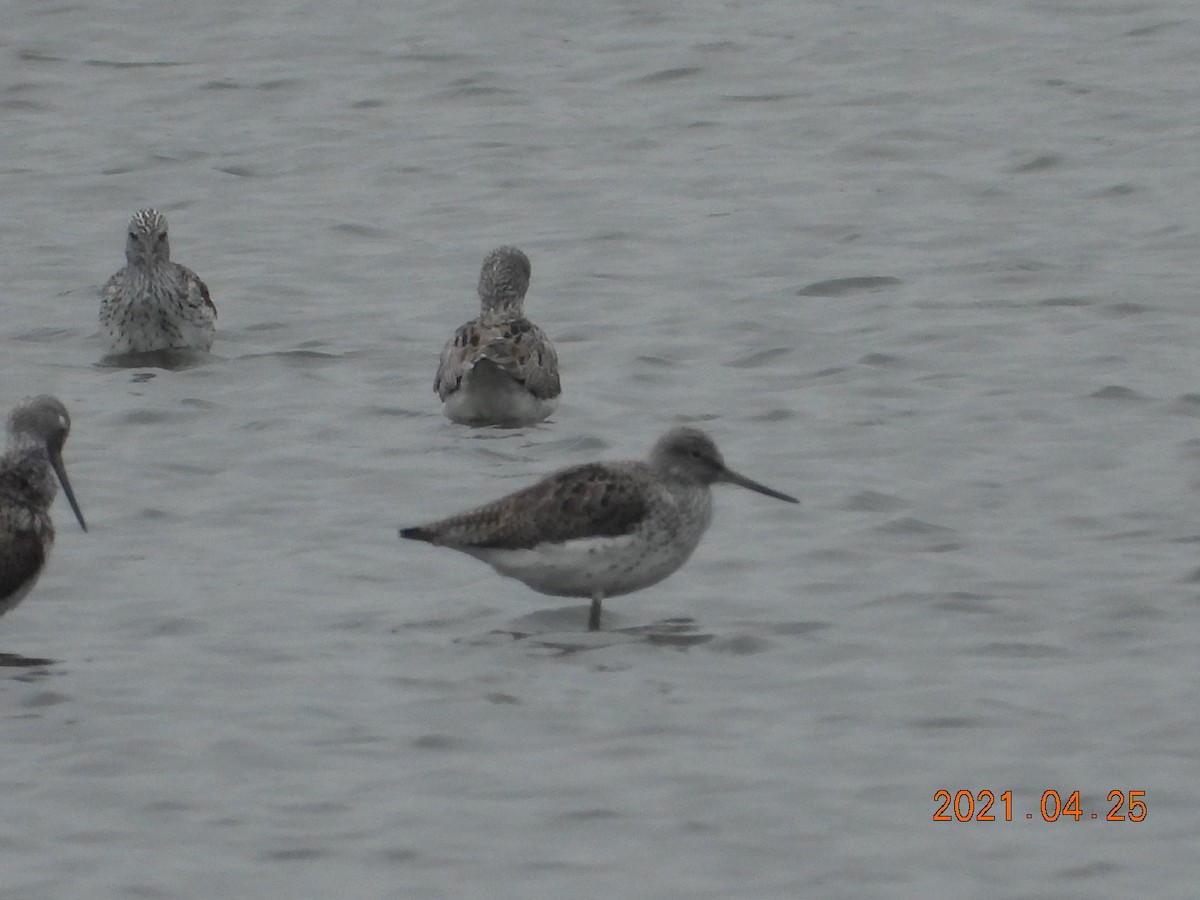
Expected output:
(743, 481)
(57, 464)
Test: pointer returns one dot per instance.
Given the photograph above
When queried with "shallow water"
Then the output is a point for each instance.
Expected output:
(932, 270)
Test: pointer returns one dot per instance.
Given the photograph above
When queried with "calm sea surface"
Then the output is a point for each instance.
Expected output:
(932, 267)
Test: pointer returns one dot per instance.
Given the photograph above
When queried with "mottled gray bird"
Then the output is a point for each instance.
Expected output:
(37, 430)
(600, 529)
(499, 369)
(154, 304)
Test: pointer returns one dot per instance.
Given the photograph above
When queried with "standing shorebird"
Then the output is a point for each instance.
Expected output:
(600, 529)
(499, 369)
(37, 430)
(154, 304)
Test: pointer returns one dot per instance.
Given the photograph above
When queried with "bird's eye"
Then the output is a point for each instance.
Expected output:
(133, 235)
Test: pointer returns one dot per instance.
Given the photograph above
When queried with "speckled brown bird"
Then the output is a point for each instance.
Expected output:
(154, 304)
(499, 369)
(600, 529)
(37, 430)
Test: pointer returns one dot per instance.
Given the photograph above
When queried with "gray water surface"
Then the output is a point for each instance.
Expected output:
(930, 267)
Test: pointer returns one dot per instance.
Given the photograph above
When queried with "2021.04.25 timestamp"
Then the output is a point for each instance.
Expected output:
(978, 806)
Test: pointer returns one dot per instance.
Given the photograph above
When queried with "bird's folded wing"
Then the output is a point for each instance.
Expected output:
(21, 557)
(588, 501)
(198, 296)
(458, 356)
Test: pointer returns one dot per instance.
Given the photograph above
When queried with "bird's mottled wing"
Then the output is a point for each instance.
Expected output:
(457, 356)
(198, 296)
(592, 500)
(525, 354)
(22, 556)
(516, 346)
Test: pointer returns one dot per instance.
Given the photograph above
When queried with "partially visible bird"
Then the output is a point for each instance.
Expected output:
(600, 529)
(37, 430)
(499, 369)
(154, 304)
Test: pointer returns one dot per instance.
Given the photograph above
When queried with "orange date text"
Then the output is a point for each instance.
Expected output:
(987, 806)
